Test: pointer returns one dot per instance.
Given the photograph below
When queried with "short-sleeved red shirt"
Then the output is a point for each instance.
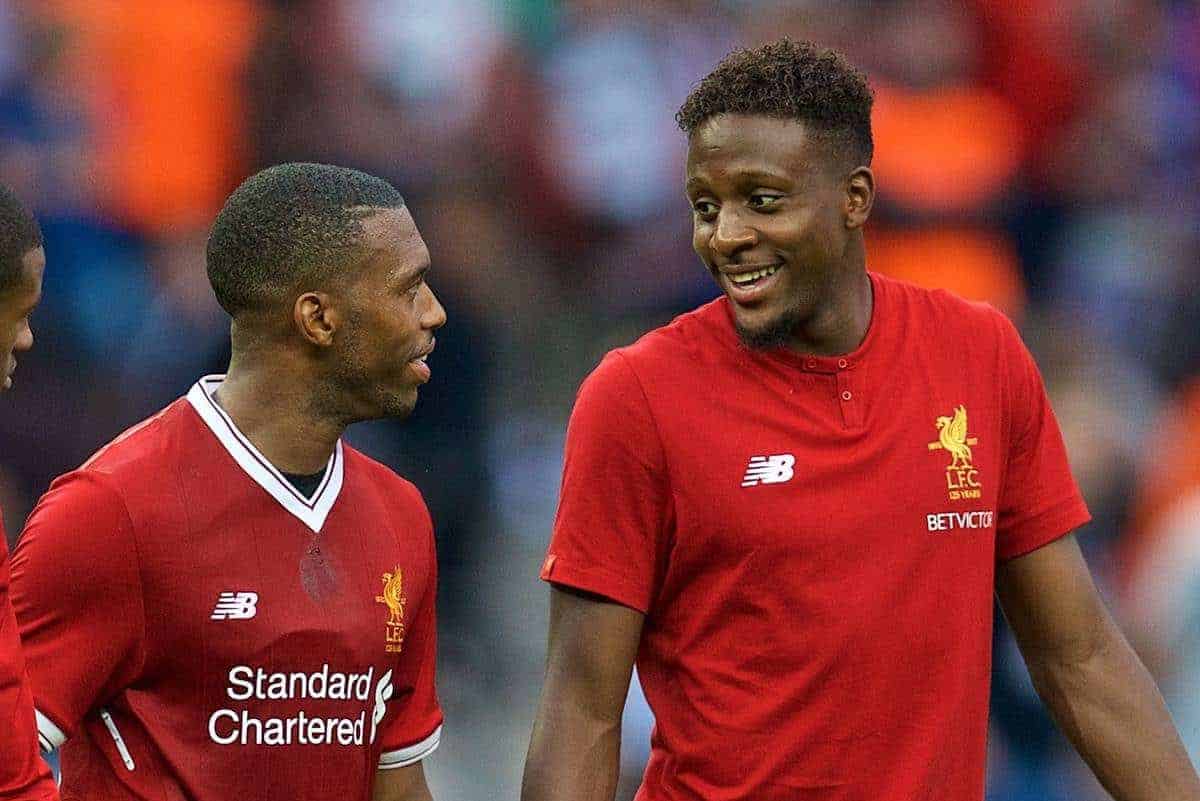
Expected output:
(195, 628)
(23, 774)
(813, 542)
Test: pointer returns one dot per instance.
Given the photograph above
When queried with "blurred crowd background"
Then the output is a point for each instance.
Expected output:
(1044, 156)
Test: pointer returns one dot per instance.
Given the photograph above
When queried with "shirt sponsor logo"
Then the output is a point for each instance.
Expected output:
(951, 521)
(962, 478)
(235, 606)
(769, 469)
(246, 683)
(393, 597)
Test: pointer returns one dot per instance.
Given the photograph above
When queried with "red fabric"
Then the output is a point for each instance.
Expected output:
(116, 581)
(811, 637)
(23, 774)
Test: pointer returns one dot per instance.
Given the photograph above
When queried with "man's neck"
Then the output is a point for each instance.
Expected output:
(841, 326)
(279, 417)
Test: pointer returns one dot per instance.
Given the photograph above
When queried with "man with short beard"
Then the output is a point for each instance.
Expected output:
(23, 774)
(227, 602)
(792, 507)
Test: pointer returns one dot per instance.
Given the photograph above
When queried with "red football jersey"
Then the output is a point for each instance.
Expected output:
(195, 628)
(813, 541)
(23, 774)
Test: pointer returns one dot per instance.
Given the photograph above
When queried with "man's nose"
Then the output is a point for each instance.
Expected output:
(24, 338)
(731, 234)
(435, 316)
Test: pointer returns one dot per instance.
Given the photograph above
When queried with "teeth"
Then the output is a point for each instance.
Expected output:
(745, 278)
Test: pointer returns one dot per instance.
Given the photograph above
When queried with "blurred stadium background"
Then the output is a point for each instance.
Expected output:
(1041, 155)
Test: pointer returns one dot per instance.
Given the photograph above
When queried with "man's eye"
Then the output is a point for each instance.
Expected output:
(760, 201)
(704, 207)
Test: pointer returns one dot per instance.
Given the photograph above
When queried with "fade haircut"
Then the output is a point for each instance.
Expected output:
(19, 234)
(287, 225)
(790, 80)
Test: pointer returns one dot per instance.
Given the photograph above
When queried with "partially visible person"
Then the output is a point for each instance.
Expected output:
(23, 774)
(794, 507)
(227, 602)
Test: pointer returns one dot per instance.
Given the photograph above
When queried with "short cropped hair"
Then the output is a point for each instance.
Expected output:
(19, 234)
(288, 224)
(787, 79)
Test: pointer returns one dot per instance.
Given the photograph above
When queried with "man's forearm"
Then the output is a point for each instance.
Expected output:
(572, 758)
(1108, 706)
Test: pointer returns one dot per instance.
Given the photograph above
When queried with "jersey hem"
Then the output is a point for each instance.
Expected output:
(593, 581)
(1044, 529)
(50, 736)
(412, 754)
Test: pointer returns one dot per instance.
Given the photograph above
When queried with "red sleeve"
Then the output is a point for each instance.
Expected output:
(615, 502)
(416, 730)
(23, 774)
(77, 595)
(1039, 500)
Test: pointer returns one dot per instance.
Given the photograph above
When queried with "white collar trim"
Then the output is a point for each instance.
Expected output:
(311, 511)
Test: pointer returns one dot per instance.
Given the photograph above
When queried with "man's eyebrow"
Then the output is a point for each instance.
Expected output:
(411, 276)
(742, 176)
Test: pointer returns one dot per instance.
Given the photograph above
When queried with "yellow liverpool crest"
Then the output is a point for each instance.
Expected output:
(962, 479)
(393, 597)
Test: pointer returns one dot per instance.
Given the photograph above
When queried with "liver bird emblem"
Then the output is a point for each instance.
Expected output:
(393, 596)
(952, 435)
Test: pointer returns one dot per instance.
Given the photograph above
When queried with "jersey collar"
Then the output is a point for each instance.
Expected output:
(312, 510)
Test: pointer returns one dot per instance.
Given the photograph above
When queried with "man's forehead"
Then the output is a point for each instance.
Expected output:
(391, 235)
(33, 268)
(750, 142)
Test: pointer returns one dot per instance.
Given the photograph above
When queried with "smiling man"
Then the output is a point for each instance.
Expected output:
(23, 774)
(227, 602)
(793, 506)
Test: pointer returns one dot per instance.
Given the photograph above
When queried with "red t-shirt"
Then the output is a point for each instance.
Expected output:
(197, 629)
(23, 774)
(813, 541)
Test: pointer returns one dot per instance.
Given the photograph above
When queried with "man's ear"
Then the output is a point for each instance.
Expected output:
(316, 318)
(860, 196)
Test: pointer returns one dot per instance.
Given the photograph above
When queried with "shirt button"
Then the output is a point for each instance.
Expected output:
(846, 395)
(811, 364)
(842, 363)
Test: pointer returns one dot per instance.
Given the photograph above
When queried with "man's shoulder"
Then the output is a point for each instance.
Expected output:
(935, 303)
(672, 351)
(940, 316)
(146, 446)
(390, 484)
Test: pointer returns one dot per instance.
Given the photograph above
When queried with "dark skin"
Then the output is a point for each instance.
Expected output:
(299, 376)
(16, 306)
(765, 193)
(301, 373)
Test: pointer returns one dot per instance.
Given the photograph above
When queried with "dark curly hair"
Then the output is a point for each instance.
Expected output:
(288, 224)
(789, 80)
(19, 234)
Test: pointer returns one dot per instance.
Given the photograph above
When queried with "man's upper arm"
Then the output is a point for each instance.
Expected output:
(76, 592)
(23, 774)
(415, 729)
(615, 506)
(401, 784)
(1039, 500)
(592, 646)
(1052, 604)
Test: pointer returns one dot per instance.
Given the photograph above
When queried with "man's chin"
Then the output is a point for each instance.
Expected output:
(399, 405)
(768, 335)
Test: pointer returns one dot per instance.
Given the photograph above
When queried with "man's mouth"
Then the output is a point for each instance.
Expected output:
(746, 286)
(420, 366)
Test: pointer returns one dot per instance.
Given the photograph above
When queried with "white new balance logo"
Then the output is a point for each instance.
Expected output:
(236, 606)
(769, 469)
